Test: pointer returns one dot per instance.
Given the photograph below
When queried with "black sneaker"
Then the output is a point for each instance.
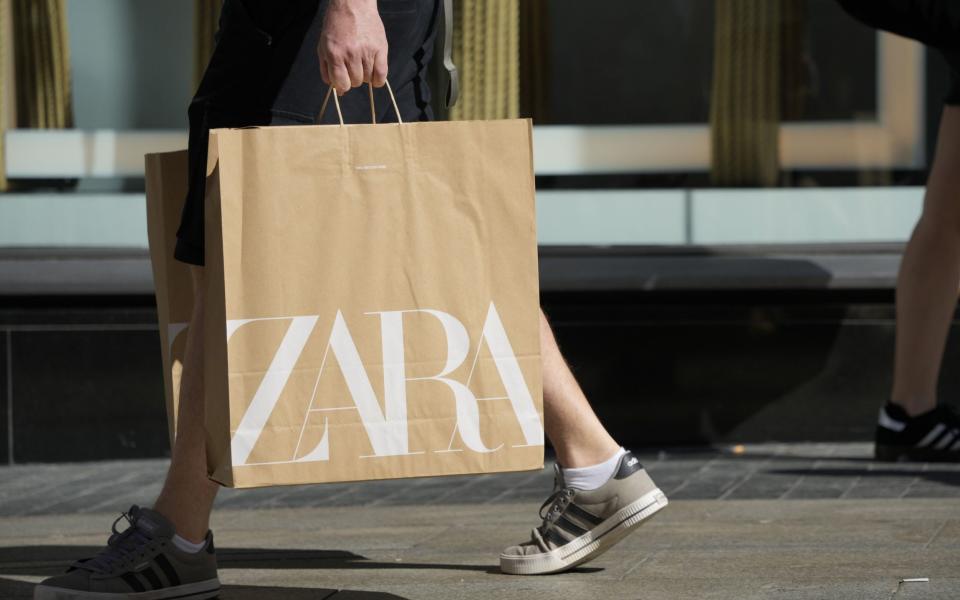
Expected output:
(141, 562)
(933, 436)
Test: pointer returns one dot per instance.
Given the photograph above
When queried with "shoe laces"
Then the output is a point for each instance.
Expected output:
(553, 506)
(555, 503)
(121, 547)
(550, 511)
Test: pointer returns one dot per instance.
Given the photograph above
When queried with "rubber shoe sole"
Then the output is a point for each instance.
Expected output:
(589, 545)
(202, 590)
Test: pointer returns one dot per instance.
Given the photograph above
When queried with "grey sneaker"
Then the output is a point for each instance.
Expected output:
(139, 562)
(580, 525)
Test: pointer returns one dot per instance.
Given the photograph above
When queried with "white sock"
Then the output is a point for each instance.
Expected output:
(590, 478)
(186, 545)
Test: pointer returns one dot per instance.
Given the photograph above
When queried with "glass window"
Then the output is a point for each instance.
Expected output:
(657, 122)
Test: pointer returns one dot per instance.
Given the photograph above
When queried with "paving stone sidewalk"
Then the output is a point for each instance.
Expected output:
(756, 472)
(694, 549)
(784, 522)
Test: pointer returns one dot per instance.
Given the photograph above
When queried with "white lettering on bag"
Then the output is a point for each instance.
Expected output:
(266, 396)
(509, 370)
(387, 429)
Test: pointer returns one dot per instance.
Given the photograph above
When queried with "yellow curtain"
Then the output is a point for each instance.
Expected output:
(42, 59)
(534, 58)
(206, 15)
(35, 84)
(486, 50)
(6, 81)
(794, 75)
(746, 96)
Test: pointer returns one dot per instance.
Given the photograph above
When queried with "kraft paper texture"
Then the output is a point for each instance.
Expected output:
(372, 300)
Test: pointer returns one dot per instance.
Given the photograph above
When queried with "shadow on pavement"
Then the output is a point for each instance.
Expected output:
(15, 590)
(255, 592)
(53, 560)
(728, 454)
(944, 477)
(706, 453)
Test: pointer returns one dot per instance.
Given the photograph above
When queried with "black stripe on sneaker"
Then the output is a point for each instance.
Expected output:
(570, 527)
(167, 569)
(150, 575)
(552, 536)
(581, 523)
(583, 515)
(133, 582)
(614, 528)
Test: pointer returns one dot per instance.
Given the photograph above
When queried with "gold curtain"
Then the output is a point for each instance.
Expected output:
(36, 32)
(794, 75)
(6, 81)
(486, 50)
(746, 96)
(42, 59)
(534, 58)
(206, 16)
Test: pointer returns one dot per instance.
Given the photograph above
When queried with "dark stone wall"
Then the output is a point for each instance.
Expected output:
(82, 380)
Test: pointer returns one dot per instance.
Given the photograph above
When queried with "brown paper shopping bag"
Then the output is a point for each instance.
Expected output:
(372, 302)
(166, 183)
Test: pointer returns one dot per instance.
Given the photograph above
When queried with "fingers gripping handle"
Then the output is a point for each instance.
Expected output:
(331, 91)
(336, 102)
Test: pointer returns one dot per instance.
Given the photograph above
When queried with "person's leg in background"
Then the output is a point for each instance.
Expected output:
(929, 277)
(912, 426)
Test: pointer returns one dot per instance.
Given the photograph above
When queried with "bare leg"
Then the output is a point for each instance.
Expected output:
(573, 428)
(930, 277)
(187, 496)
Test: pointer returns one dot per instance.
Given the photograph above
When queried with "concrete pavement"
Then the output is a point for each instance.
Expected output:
(878, 525)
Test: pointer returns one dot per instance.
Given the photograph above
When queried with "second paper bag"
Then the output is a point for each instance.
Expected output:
(373, 304)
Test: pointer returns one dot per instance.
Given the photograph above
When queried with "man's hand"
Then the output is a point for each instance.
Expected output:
(353, 45)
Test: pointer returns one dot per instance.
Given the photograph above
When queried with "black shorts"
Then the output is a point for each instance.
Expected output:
(935, 23)
(265, 71)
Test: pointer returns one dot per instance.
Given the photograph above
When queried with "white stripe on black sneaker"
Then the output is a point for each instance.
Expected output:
(956, 446)
(932, 436)
(946, 440)
(888, 422)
